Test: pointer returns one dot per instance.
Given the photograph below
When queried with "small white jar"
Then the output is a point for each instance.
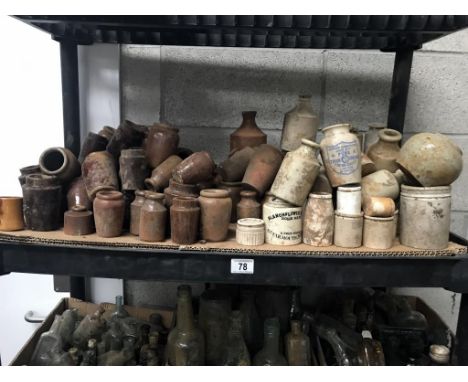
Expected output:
(250, 231)
(348, 200)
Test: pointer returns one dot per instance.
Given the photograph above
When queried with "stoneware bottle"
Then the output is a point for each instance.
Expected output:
(379, 233)
(93, 142)
(186, 342)
(185, 218)
(133, 169)
(349, 200)
(384, 153)
(248, 134)
(216, 208)
(135, 209)
(77, 195)
(109, 210)
(176, 189)
(161, 143)
(235, 189)
(341, 155)
(318, 221)
(42, 195)
(233, 168)
(198, 167)
(297, 174)
(250, 231)
(78, 221)
(378, 206)
(270, 354)
(348, 230)
(297, 346)
(372, 135)
(59, 162)
(248, 207)
(153, 216)
(381, 183)
(283, 222)
(28, 170)
(11, 213)
(299, 123)
(99, 173)
(236, 353)
(160, 176)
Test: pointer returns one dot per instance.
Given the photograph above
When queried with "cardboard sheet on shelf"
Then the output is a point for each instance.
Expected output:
(228, 247)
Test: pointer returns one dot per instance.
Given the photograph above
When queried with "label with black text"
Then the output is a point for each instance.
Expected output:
(243, 266)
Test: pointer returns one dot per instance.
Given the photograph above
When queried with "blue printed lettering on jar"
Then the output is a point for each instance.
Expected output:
(342, 157)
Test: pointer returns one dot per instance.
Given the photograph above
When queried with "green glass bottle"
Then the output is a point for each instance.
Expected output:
(149, 350)
(297, 346)
(236, 353)
(90, 355)
(251, 322)
(270, 354)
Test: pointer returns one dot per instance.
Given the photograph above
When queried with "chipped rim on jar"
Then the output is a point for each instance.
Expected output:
(214, 193)
(426, 192)
(250, 223)
(338, 125)
(35, 180)
(350, 188)
(109, 195)
(389, 135)
(310, 143)
(154, 195)
(52, 151)
(320, 195)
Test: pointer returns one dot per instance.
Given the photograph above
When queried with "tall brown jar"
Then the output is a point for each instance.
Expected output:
(153, 216)
(59, 162)
(133, 169)
(384, 153)
(160, 176)
(248, 207)
(109, 210)
(161, 143)
(185, 218)
(215, 214)
(28, 170)
(248, 134)
(99, 173)
(198, 167)
(77, 195)
(93, 142)
(178, 189)
(234, 189)
(135, 209)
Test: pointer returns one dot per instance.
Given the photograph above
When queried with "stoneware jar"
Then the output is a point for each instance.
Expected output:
(381, 183)
(93, 142)
(297, 174)
(299, 123)
(248, 134)
(198, 167)
(178, 189)
(250, 231)
(348, 200)
(153, 217)
(216, 208)
(42, 195)
(109, 210)
(160, 176)
(318, 220)
(431, 159)
(385, 151)
(78, 221)
(425, 216)
(377, 206)
(379, 233)
(28, 170)
(341, 155)
(235, 189)
(262, 168)
(11, 213)
(135, 209)
(283, 222)
(348, 230)
(185, 219)
(367, 166)
(59, 162)
(233, 168)
(127, 135)
(133, 169)
(99, 173)
(248, 207)
(107, 132)
(372, 135)
(322, 184)
(77, 195)
(161, 143)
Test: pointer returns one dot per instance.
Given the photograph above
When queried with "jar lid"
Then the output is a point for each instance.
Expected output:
(250, 222)
(214, 193)
(426, 192)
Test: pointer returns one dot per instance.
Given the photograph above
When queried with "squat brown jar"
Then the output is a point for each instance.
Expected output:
(109, 209)
(248, 207)
(153, 216)
(185, 217)
(215, 214)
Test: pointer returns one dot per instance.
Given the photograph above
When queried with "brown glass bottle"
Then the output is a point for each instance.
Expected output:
(248, 134)
(270, 354)
(297, 346)
(185, 218)
(153, 216)
(185, 343)
(236, 353)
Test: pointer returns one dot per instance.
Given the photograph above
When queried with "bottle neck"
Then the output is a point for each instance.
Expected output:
(303, 105)
(296, 328)
(271, 341)
(248, 117)
(184, 313)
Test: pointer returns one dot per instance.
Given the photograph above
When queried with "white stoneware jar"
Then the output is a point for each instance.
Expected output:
(348, 200)
(283, 223)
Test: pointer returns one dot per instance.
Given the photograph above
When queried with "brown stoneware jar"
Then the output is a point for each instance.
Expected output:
(77, 195)
(197, 168)
(59, 162)
(248, 207)
(248, 134)
(233, 168)
(185, 218)
(161, 143)
(215, 214)
(127, 135)
(99, 173)
(367, 166)
(384, 153)
(78, 221)
(133, 169)
(178, 189)
(234, 189)
(109, 210)
(153, 217)
(11, 213)
(93, 142)
(135, 209)
(42, 195)
(262, 168)
(28, 170)
(160, 176)
(107, 132)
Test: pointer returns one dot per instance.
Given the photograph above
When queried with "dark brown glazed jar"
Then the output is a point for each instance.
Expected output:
(107, 132)
(153, 216)
(197, 168)
(77, 195)
(127, 135)
(133, 169)
(248, 207)
(59, 162)
(42, 195)
(234, 189)
(248, 134)
(28, 170)
(160, 176)
(233, 168)
(161, 143)
(185, 218)
(109, 210)
(93, 142)
(78, 221)
(135, 209)
(178, 189)
(99, 173)
(215, 214)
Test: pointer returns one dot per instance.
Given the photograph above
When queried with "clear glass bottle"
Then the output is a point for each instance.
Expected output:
(297, 346)
(371, 352)
(270, 354)
(149, 351)
(251, 322)
(90, 355)
(236, 353)
(119, 312)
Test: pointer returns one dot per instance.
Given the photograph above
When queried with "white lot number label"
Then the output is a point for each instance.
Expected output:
(244, 266)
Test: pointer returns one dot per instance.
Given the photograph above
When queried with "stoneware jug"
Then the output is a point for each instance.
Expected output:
(248, 134)
(384, 153)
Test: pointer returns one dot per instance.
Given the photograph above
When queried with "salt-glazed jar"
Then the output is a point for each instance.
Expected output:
(93, 142)
(133, 169)
(372, 135)
(78, 221)
(378, 206)
(425, 216)
(59, 162)
(300, 122)
(248, 207)
(109, 210)
(162, 142)
(198, 167)
(384, 153)
(178, 189)
(233, 168)
(348, 200)
(77, 195)
(99, 173)
(367, 166)
(318, 220)
(248, 134)
(235, 189)
(322, 184)
(135, 209)
(341, 155)
(250, 231)
(283, 223)
(28, 170)
(185, 219)
(153, 217)
(160, 176)
(379, 233)
(216, 208)
(381, 183)
(348, 230)
(297, 173)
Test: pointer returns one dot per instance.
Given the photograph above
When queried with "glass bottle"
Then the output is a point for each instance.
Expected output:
(297, 346)
(371, 352)
(237, 353)
(150, 350)
(295, 312)
(439, 355)
(251, 322)
(90, 355)
(270, 354)
(185, 343)
(119, 312)
(75, 355)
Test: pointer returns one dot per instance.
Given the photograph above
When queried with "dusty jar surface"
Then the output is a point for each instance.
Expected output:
(379, 233)
(349, 200)
(248, 134)
(250, 231)
(185, 219)
(162, 142)
(59, 162)
(384, 153)
(99, 173)
(348, 230)
(78, 221)
(318, 220)
(283, 223)
(216, 208)
(161, 175)
(235, 189)
(372, 135)
(135, 209)
(109, 210)
(381, 183)
(248, 207)
(198, 167)
(153, 217)
(133, 169)
(176, 189)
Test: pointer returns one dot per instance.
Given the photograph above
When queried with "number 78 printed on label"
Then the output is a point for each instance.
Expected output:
(243, 266)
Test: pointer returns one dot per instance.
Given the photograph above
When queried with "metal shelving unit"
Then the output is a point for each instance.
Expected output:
(400, 34)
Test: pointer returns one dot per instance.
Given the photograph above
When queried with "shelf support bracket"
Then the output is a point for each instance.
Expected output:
(462, 332)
